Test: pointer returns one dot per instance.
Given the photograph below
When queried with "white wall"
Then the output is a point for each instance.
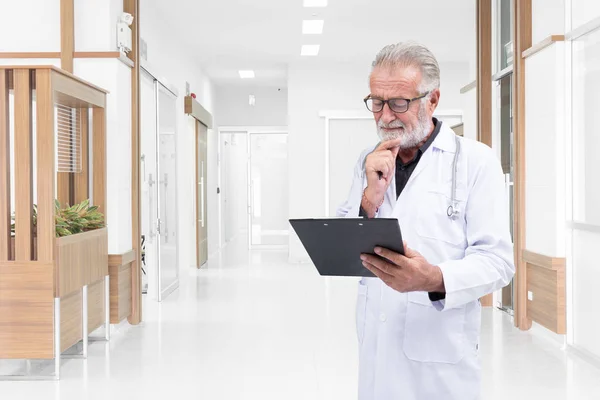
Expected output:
(313, 87)
(545, 156)
(233, 108)
(114, 76)
(174, 63)
(586, 192)
(96, 24)
(30, 26)
(584, 11)
(548, 19)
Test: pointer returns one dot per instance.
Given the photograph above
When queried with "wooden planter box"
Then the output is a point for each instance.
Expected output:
(80, 260)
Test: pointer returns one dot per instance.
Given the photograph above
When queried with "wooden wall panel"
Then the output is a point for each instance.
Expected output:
(26, 310)
(5, 211)
(96, 305)
(99, 159)
(120, 286)
(23, 166)
(547, 285)
(71, 320)
(45, 167)
(82, 179)
(133, 7)
(523, 40)
(67, 34)
(80, 260)
(484, 71)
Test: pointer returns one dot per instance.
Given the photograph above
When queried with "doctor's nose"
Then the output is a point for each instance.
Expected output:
(387, 115)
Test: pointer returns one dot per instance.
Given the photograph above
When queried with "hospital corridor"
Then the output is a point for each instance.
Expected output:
(299, 199)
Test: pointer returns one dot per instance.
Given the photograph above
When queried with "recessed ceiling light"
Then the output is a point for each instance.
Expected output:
(315, 3)
(312, 26)
(310, 50)
(247, 74)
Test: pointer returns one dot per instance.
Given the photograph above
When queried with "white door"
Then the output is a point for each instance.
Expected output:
(148, 185)
(268, 190)
(167, 192)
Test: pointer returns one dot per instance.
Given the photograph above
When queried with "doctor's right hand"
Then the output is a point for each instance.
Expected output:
(381, 160)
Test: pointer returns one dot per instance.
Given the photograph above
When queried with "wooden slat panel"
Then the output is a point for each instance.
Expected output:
(30, 55)
(120, 292)
(23, 166)
(71, 320)
(132, 7)
(523, 40)
(67, 34)
(96, 305)
(76, 93)
(5, 218)
(63, 188)
(82, 179)
(97, 54)
(26, 310)
(484, 71)
(80, 260)
(99, 159)
(45, 167)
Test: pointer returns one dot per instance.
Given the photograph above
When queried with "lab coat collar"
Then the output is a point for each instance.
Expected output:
(445, 140)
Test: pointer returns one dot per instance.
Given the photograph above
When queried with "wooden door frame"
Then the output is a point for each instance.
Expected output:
(201, 116)
(197, 124)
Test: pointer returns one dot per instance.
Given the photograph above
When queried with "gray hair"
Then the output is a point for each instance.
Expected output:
(406, 54)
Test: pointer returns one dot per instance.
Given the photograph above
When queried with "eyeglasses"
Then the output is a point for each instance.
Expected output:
(398, 105)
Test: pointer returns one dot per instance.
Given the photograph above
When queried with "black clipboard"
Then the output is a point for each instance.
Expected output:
(335, 245)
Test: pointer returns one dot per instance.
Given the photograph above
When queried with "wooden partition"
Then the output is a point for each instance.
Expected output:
(42, 277)
(546, 289)
(120, 266)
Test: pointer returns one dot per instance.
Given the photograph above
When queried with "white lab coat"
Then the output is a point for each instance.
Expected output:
(409, 347)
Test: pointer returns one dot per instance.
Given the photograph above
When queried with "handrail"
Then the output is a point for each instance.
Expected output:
(536, 48)
(583, 29)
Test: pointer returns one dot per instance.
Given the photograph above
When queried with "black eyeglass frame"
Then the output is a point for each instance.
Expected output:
(384, 102)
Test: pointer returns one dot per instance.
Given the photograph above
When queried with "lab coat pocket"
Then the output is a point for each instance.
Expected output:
(431, 335)
(434, 223)
(361, 311)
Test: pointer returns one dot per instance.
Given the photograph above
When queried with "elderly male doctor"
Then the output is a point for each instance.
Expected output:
(419, 321)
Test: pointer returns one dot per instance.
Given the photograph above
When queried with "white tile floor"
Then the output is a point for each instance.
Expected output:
(252, 326)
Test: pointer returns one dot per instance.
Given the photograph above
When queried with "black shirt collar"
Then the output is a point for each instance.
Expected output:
(431, 138)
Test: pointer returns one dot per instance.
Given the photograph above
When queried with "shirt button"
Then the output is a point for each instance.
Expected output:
(382, 317)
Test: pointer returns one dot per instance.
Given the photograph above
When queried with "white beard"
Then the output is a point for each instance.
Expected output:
(408, 139)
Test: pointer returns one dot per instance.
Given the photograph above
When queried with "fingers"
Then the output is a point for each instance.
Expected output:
(393, 257)
(378, 273)
(390, 144)
(382, 265)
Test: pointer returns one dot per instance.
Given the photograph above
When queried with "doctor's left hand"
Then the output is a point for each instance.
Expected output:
(405, 273)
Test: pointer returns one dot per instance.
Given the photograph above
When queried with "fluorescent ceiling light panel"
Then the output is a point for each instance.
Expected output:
(312, 27)
(246, 74)
(310, 50)
(315, 3)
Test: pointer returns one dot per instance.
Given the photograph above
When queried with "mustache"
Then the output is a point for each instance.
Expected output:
(392, 125)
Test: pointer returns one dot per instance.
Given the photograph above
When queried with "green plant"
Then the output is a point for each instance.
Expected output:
(70, 220)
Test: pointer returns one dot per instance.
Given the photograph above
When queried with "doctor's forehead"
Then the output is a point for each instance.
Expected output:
(395, 82)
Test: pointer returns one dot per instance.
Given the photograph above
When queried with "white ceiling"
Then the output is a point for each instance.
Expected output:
(266, 35)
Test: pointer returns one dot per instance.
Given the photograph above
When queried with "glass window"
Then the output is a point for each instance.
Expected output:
(504, 34)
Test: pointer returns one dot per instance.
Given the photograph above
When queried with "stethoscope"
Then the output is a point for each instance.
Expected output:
(452, 210)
